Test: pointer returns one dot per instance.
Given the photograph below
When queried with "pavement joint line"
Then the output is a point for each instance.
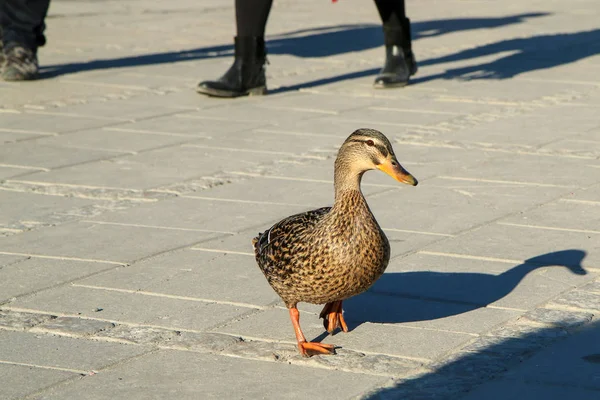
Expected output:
(71, 380)
(563, 307)
(144, 131)
(212, 118)
(75, 371)
(469, 257)
(11, 230)
(71, 185)
(191, 196)
(550, 228)
(62, 258)
(83, 196)
(302, 109)
(156, 227)
(171, 296)
(293, 133)
(444, 300)
(282, 153)
(588, 202)
(565, 81)
(458, 178)
(378, 108)
(25, 131)
(24, 167)
(59, 114)
(398, 124)
(468, 146)
(110, 85)
(112, 321)
(417, 232)
(220, 251)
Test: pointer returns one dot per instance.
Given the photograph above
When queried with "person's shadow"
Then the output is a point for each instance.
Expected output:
(447, 293)
(527, 54)
(307, 43)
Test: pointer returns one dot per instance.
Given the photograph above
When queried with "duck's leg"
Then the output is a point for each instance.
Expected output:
(333, 317)
(307, 349)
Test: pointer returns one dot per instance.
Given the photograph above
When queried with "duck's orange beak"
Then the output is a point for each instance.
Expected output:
(393, 168)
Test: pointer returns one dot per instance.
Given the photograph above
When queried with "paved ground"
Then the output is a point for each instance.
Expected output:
(128, 203)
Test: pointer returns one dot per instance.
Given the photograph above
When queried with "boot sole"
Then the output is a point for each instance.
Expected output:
(258, 91)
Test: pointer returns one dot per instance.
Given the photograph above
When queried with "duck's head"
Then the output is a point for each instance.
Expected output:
(367, 149)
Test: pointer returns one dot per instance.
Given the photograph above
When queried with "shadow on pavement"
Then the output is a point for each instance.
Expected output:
(527, 54)
(562, 371)
(313, 42)
(447, 293)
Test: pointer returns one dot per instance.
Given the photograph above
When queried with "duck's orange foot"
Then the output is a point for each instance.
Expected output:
(333, 317)
(309, 349)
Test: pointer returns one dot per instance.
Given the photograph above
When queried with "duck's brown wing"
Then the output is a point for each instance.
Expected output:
(275, 247)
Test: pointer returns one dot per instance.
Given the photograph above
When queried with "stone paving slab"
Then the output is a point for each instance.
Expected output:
(97, 242)
(115, 141)
(22, 211)
(190, 375)
(19, 380)
(33, 274)
(44, 157)
(192, 274)
(61, 353)
(132, 307)
(224, 216)
(495, 240)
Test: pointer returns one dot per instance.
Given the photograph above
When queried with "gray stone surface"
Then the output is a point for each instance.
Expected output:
(190, 375)
(34, 274)
(566, 369)
(20, 380)
(22, 320)
(137, 308)
(192, 274)
(73, 326)
(58, 352)
(128, 202)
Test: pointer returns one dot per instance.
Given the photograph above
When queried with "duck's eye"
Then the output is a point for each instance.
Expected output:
(370, 142)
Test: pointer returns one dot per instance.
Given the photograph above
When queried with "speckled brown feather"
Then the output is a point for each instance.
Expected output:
(324, 255)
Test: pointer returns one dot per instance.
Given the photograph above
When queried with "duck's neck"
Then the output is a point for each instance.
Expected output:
(347, 186)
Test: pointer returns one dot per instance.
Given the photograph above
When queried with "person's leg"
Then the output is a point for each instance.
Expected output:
(400, 62)
(251, 17)
(247, 74)
(22, 26)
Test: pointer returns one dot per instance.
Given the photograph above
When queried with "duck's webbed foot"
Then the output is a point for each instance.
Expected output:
(308, 349)
(333, 317)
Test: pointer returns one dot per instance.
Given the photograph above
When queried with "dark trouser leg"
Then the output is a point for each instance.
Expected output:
(400, 62)
(247, 74)
(251, 17)
(22, 22)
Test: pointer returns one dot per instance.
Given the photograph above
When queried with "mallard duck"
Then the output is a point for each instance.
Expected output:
(327, 255)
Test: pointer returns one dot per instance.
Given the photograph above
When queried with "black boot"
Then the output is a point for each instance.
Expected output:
(246, 77)
(400, 61)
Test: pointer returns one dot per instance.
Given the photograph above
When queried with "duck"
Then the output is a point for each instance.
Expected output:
(330, 254)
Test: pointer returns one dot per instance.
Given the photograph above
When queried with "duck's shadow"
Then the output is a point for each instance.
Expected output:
(427, 295)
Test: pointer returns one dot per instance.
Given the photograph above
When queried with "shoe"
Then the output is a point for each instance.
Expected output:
(400, 63)
(246, 77)
(20, 63)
